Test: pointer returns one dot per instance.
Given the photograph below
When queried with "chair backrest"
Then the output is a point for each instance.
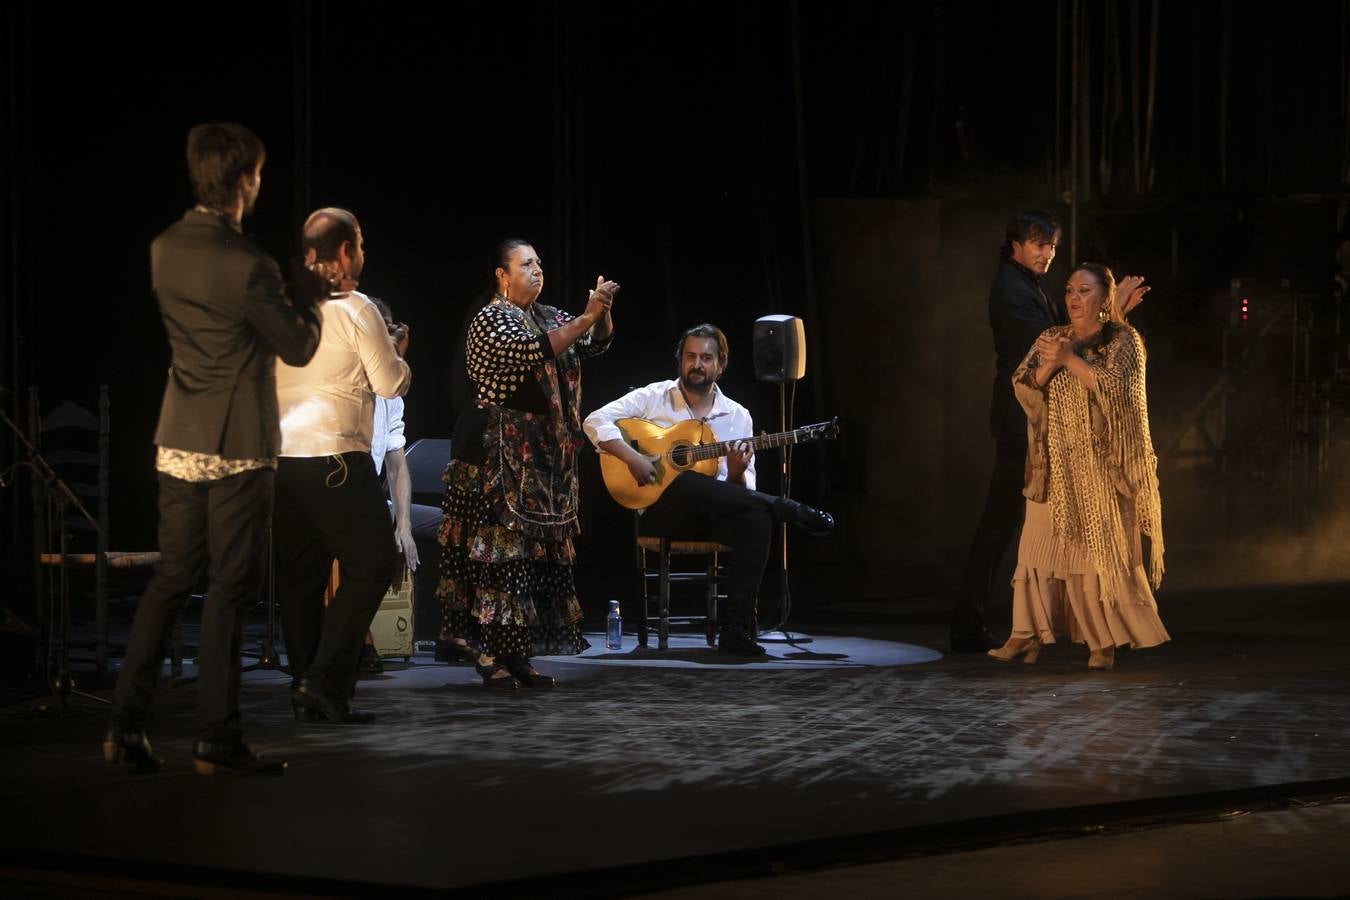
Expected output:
(427, 459)
(75, 442)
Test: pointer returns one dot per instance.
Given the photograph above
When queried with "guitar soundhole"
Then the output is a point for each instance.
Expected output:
(679, 455)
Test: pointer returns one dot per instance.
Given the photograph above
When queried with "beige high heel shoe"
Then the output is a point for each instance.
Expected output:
(1104, 658)
(1027, 648)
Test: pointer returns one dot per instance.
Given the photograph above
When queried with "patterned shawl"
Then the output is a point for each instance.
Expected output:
(1092, 469)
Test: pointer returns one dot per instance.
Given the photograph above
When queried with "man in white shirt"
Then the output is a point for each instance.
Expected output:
(329, 502)
(415, 524)
(727, 508)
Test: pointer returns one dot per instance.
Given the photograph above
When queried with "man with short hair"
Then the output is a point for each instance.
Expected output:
(225, 309)
(727, 508)
(329, 501)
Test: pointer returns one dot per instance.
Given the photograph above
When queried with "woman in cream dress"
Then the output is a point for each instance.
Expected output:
(1091, 485)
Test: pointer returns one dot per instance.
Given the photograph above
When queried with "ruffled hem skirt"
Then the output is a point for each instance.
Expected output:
(508, 594)
(1056, 592)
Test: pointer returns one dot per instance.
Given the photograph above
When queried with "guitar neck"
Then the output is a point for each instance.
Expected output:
(757, 442)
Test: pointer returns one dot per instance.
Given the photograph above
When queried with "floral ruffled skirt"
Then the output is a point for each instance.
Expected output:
(503, 591)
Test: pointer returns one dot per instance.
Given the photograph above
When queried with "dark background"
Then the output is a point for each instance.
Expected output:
(723, 161)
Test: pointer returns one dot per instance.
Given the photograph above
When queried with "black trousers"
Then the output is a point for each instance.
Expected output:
(699, 508)
(330, 507)
(219, 527)
(1000, 524)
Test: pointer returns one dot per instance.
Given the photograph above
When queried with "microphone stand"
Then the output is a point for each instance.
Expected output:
(60, 681)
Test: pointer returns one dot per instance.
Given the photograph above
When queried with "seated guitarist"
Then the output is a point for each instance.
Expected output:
(727, 508)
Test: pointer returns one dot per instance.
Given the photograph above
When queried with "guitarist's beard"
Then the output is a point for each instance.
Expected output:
(702, 387)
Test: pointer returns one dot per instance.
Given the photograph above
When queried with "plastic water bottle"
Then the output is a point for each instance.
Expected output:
(614, 627)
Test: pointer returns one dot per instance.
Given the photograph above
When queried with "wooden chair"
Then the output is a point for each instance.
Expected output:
(654, 565)
(75, 443)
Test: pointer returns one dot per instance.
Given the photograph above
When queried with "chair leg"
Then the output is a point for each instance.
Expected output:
(663, 623)
(712, 600)
(646, 606)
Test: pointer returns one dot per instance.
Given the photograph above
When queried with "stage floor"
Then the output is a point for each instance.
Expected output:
(867, 740)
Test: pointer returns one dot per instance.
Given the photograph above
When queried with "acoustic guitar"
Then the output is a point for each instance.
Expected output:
(686, 447)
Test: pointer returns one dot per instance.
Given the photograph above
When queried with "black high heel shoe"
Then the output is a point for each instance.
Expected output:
(454, 652)
(521, 671)
(491, 678)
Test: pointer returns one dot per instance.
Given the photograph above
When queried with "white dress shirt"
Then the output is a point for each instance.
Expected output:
(388, 434)
(327, 406)
(663, 404)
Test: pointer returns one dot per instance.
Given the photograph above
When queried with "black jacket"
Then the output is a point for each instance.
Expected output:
(227, 316)
(1018, 312)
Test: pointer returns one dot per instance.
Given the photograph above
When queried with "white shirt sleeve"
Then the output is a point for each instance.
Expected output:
(388, 374)
(745, 422)
(637, 404)
(735, 424)
(394, 437)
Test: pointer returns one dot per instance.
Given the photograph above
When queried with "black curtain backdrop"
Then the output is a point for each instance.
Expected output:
(675, 147)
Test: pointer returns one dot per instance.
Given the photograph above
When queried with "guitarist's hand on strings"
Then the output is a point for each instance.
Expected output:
(738, 460)
(644, 472)
(639, 465)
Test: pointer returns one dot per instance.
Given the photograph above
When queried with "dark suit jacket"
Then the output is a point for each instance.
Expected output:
(227, 316)
(1018, 312)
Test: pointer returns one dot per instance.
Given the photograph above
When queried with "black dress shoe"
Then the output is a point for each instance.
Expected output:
(332, 709)
(737, 640)
(815, 522)
(520, 670)
(370, 660)
(132, 748)
(972, 639)
(304, 713)
(223, 757)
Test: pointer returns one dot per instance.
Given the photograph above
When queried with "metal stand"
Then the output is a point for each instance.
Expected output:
(779, 634)
(60, 680)
(268, 657)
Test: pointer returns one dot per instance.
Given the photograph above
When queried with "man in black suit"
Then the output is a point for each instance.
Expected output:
(1019, 311)
(228, 318)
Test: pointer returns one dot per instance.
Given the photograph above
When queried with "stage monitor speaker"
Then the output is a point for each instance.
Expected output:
(779, 348)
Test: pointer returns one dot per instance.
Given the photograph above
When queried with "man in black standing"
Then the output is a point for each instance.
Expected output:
(1019, 310)
(228, 318)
